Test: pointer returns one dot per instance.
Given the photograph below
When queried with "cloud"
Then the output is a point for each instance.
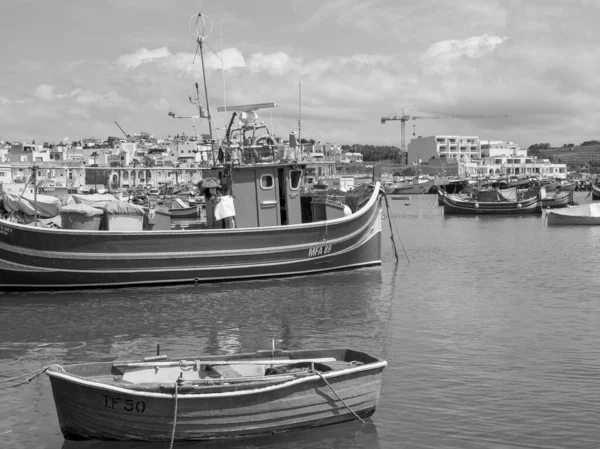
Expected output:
(142, 56)
(183, 62)
(274, 63)
(189, 63)
(45, 92)
(441, 56)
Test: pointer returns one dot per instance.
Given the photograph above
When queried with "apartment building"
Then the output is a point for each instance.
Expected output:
(464, 148)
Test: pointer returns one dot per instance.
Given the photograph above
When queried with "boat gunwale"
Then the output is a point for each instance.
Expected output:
(329, 374)
(377, 191)
(184, 254)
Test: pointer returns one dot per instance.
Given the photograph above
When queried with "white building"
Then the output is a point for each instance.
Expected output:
(129, 147)
(496, 166)
(501, 148)
(444, 147)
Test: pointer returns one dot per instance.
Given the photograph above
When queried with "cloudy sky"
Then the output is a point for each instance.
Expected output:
(70, 68)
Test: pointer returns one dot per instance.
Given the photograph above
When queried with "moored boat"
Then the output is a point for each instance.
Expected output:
(490, 202)
(595, 192)
(256, 227)
(557, 200)
(550, 199)
(215, 397)
(179, 209)
(584, 214)
(416, 186)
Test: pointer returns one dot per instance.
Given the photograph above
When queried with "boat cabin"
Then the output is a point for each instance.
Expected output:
(262, 195)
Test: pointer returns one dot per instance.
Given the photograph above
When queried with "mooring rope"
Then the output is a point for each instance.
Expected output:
(31, 375)
(393, 223)
(174, 416)
(339, 397)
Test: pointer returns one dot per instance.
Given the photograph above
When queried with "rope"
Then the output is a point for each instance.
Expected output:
(335, 392)
(31, 375)
(174, 417)
(387, 207)
(392, 222)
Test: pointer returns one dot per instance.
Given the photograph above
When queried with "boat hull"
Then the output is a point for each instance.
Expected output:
(595, 192)
(188, 212)
(559, 200)
(471, 207)
(554, 218)
(88, 409)
(420, 188)
(39, 258)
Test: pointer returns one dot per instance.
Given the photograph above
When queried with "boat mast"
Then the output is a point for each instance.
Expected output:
(201, 33)
(300, 104)
(34, 179)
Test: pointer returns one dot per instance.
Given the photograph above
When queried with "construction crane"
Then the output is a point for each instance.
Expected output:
(403, 117)
(126, 135)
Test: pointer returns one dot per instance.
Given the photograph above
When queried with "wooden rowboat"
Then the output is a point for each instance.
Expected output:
(215, 397)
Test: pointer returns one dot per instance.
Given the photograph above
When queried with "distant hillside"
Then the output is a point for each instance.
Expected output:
(576, 157)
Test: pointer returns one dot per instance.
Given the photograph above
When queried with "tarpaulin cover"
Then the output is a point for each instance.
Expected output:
(491, 196)
(357, 198)
(208, 183)
(45, 205)
(224, 208)
(179, 204)
(123, 208)
(81, 209)
(584, 210)
(95, 200)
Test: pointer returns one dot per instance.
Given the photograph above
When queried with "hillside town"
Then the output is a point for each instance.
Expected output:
(140, 160)
(147, 161)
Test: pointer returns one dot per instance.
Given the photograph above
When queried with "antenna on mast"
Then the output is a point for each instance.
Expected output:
(203, 28)
(223, 74)
(300, 103)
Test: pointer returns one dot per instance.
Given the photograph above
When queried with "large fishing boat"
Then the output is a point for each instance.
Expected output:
(256, 227)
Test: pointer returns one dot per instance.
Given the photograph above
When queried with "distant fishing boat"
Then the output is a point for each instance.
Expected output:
(490, 202)
(215, 397)
(415, 186)
(181, 210)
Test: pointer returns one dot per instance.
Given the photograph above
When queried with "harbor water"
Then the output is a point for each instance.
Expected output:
(490, 326)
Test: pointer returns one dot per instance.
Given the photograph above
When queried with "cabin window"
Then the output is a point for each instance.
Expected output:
(267, 182)
(295, 177)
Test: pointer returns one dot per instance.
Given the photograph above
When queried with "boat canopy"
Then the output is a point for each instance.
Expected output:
(44, 205)
(584, 210)
(95, 200)
(123, 208)
(495, 196)
(81, 209)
